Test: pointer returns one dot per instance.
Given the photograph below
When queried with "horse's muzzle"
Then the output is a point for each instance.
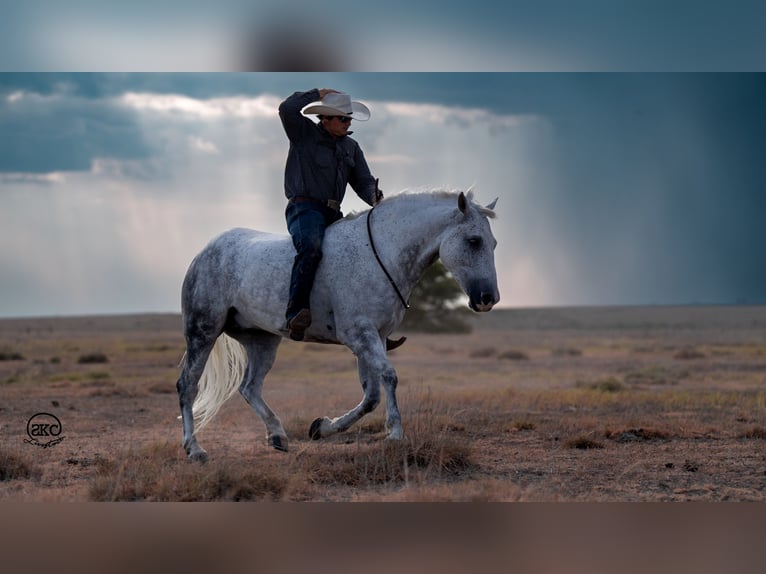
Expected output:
(482, 297)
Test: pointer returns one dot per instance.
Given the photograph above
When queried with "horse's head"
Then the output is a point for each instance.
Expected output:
(467, 251)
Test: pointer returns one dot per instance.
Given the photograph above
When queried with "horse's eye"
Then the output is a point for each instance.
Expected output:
(474, 242)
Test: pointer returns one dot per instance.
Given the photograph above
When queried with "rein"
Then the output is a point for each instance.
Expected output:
(383, 267)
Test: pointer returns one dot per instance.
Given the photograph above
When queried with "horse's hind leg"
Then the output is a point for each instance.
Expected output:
(197, 352)
(261, 348)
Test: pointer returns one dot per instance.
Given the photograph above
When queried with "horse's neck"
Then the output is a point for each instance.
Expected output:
(412, 230)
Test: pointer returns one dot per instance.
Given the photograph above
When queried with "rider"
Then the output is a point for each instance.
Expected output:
(322, 159)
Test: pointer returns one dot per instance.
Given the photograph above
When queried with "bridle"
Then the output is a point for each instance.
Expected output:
(383, 267)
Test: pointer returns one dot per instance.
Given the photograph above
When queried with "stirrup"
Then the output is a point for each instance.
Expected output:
(394, 344)
(298, 324)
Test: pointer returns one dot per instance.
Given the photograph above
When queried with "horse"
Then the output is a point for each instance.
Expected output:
(235, 291)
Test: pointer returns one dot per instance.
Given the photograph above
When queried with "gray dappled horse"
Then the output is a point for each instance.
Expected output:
(235, 293)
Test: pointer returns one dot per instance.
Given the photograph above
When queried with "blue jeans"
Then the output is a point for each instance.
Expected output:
(306, 222)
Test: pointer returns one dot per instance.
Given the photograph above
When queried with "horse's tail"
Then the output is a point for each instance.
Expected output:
(221, 378)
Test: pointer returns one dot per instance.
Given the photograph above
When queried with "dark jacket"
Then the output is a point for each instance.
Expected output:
(318, 164)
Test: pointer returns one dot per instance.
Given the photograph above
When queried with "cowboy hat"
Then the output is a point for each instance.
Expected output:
(339, 104)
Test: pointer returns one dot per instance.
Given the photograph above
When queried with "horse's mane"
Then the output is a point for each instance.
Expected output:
(435, 194)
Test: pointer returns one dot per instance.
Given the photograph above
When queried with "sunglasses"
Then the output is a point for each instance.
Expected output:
(342, 119)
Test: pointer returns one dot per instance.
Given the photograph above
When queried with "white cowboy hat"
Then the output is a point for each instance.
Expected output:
(339, 104)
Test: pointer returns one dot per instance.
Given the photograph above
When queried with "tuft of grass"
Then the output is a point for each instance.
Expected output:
(372, 425)
(755, 432)
(691, 466)
(13, 466)
(583, 443)
(68, 377)
(566, 352)
(607, 385)
(655, 375)
(157, 348)
(162, 388)
(385, 463)
(514, 355)
(431, 450)
(521, 425)
(483, 353)
(689, 353)
(92, 358)
(109, 389)
(160, 472)
(637, 435)
(8, 355)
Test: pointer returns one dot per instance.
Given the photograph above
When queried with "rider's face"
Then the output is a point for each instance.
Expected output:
(337, 125)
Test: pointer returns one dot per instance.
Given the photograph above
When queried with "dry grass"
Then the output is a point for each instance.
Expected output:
(482, 353)
(514, 355)
(604, 385)
(597, 405)
(91, 358)
(566, 352)
(689, 353)
(583, 443)
(160, 471)
(755, 432)
(386, 464)
(524, 425)
(656, 374)
(9, 355)
(14, 466)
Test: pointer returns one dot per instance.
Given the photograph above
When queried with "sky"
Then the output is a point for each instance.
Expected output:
(396, 35)
(614, 188)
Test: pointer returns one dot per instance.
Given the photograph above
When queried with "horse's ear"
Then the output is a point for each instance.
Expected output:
(462, 203)
(491, 206)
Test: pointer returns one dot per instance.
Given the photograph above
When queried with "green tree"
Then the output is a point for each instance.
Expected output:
(437, 304)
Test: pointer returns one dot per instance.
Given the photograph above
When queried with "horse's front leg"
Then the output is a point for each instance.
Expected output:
(374, 370)
(393, 418)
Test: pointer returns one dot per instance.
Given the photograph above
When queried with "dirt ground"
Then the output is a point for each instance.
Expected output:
(580, 404)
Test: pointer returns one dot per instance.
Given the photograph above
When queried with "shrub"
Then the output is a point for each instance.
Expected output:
(755, 432)
(8, 355)
(566, 352)
(13, 467)
(607, 385)
(482, 353)
(637, 435)
(436, 304)
(523, 425)
(655, 375)
(689, 353)
(514, 355)
(583, 443)
(92, 358)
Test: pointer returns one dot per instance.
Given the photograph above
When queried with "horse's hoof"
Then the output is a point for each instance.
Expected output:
(278, 443)
(396, 434)
(315, 431)
(198, 456)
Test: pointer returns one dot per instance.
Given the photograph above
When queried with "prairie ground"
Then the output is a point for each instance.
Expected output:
(564, 404)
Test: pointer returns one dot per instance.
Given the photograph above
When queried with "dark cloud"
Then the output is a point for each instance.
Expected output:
(46, 131)
(656, 186)
(449, 35)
